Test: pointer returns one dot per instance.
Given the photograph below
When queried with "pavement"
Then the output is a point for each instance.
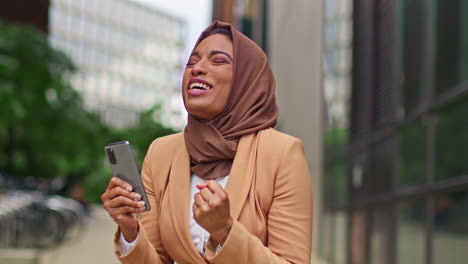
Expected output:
(92, 245)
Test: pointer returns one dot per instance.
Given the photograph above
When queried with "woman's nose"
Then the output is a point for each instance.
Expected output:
(199, 68)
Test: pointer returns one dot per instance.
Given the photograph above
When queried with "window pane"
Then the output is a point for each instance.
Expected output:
(335, 185)
(328, 185)
(412, 148)
(383, 166)
(340, 183)
(451, 54)
(452, 141)
(451, 228)
(412, 53)
(410, 232)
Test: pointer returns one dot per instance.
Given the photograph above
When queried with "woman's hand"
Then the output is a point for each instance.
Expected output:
(211, 210)
(122, 205)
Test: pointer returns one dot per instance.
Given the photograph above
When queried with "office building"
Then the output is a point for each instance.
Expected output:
(129, 57)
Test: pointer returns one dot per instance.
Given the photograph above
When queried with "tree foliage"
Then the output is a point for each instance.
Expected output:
(44, 130)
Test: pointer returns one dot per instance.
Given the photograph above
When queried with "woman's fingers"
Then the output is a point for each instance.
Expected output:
(120, 201)
(206, 194)
(124, 210)
(214, 187)
(211, 210)
(117, 182)
(212, 193)
(211, 197)
(201, 203)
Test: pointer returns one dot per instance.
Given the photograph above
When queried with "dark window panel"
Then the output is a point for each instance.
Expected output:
(450, 15)
(412, 150)
(412, 55)
(451, 141)
(383, 166)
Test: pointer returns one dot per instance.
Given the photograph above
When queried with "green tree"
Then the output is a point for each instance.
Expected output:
(45, 132)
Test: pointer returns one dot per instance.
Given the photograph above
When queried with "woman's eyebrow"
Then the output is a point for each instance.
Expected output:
(214, 52)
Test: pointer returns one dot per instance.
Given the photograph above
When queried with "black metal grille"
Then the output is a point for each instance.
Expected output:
(384, 102)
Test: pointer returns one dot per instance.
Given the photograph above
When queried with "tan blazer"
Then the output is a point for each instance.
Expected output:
(271, 201)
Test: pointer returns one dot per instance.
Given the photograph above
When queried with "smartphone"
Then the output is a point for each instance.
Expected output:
(123, 165)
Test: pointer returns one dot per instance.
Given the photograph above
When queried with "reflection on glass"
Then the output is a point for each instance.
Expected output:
(381, 244)
(412, 147)
(328, 185)
(336, 74)
(451, 141)
(340, 183)
(410, 232)
(450, 236)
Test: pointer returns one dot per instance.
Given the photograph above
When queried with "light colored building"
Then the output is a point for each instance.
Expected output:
(129, 57)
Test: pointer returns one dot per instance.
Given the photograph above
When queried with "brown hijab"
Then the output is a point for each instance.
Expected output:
(251, 107)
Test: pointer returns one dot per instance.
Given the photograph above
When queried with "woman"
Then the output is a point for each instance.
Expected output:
(230, 188)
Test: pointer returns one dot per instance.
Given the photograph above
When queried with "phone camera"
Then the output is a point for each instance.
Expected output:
(111, 156)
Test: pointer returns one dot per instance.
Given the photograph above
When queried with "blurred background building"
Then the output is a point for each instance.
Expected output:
(378, 91)
(129, 57)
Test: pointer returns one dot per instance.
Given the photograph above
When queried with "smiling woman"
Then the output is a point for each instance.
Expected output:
(208, 77)
(230, 188)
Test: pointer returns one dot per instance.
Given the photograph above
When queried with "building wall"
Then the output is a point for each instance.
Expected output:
(295, 53)
(129, 57)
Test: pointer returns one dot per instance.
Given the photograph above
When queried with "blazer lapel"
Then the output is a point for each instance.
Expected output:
(179, 199)
(242, 173)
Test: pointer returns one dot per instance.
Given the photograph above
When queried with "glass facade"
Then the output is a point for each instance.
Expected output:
(395, 132)
(129, 57)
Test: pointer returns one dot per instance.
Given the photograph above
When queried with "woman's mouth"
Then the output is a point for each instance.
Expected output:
(198, 86)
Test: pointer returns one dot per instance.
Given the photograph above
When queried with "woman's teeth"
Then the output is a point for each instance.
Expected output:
(199, 86)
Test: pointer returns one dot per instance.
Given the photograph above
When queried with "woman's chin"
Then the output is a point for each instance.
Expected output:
(200, 111)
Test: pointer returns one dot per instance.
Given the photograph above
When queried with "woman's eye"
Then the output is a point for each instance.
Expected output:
(219, 61)
(190, 63)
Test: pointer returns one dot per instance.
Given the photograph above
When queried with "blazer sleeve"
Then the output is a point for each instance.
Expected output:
(149, 248)
(289, 219)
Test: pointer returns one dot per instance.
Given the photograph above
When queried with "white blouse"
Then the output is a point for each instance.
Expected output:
(199, 235)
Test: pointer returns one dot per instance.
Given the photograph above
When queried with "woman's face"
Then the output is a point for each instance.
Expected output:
(208, 76)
